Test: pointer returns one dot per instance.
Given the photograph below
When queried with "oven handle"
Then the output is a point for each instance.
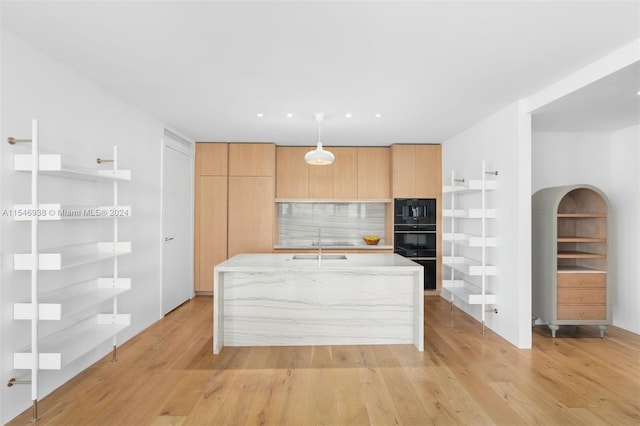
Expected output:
(414, 232)
(422, 258)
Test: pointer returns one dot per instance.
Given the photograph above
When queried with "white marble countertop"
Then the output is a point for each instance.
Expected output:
(284, 262)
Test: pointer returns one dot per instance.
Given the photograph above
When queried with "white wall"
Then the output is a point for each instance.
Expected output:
(503, 141)
(610, 162)
(81, 121)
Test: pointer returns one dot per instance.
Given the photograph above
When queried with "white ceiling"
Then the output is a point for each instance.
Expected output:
(432, 68)
(608, 104)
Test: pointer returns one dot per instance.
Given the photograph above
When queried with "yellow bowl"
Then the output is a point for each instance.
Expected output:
(371, 240)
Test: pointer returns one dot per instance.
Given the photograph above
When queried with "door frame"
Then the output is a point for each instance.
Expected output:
(173, 140)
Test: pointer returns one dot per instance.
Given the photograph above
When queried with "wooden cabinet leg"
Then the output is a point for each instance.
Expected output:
(554, 328)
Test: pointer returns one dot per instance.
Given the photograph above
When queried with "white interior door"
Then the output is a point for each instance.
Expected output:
(177, 222)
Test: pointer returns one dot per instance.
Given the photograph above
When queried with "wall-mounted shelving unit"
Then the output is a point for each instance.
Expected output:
(468, 276)
(55, 351)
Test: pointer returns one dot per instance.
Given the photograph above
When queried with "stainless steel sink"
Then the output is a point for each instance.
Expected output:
(333, 244)
(315, 257)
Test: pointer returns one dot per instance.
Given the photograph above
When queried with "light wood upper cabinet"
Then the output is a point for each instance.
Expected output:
(252, 159)
(345, 173)
(321, 182)
(211, 159)
(403, 171)
(373, 173)
(251, 214)
(298, 180)
(428, 171)
(292, 173)
(416, 171)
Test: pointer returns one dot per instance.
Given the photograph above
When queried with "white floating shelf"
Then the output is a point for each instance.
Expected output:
(52, 164)
(70, 256)
(469, 240)
(470, 294)
(24, 212)
(469, 213)
(468, 266)
(472, 185)
(66, 346)
(73, 299)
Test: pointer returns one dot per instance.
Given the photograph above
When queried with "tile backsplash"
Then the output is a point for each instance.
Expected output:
(340, 222)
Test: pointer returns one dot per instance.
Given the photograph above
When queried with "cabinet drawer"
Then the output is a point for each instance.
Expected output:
(582, 295)
(582, 280)
(582, 312)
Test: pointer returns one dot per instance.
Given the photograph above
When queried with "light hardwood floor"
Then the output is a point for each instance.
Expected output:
(167, 375)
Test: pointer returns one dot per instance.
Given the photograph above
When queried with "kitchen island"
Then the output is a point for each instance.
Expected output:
(286, 299)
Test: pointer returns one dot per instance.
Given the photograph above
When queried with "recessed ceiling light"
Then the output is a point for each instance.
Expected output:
(289, 115)
(348, 115)
(378, 115)
(260, 115)
(638, 92)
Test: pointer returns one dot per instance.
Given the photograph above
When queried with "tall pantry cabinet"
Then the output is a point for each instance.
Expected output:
(210, 212)
(252, 192)
(416, 172)
(234, 205)
(572, 282)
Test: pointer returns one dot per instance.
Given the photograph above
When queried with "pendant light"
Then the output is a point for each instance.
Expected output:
(319, 157)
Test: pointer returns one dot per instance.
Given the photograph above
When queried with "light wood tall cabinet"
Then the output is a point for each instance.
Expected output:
(416, 172)
(251, 208)
(210, 212)
(572, 282)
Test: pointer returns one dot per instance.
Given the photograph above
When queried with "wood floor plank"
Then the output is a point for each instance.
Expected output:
(168, 375)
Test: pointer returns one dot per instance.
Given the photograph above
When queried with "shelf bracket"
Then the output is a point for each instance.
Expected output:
(13, 141)
(14, 381)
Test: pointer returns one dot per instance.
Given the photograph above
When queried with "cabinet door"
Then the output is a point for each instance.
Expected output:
(345, 173)
(373, 173)
(292, 173)
(428, 171)
(252, 159)
(211, 159)
(403, 166)
(251, 214)
(211, 229)
(320, 182)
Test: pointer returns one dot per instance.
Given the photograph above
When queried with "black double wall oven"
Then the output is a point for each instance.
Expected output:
(414, 234)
